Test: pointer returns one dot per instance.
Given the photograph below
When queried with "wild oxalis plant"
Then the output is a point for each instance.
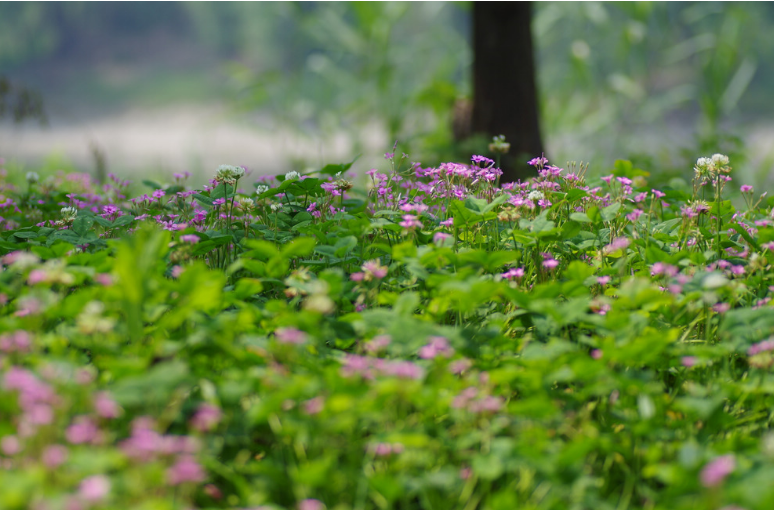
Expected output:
(433, 340)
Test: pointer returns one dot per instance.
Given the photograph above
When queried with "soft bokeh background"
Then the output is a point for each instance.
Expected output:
(161, 87)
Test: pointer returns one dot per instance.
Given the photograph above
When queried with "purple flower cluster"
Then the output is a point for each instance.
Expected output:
(438, 346)
(477, 400)
(369, 367)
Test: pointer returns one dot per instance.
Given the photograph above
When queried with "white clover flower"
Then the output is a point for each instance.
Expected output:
(229, 173)
(244, 203)
(534, 196)
(291, 175)
(276, 207)
(714, 281)
(32, 177)
(261, 189)
(704, 167)
(720, 160)
(69, 213)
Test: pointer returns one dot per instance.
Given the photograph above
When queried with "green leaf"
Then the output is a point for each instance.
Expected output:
(570, 229)
(203, 199)
(221, 190)
(25, 235)
(151, 184)
(123, 220)
(593, 214)
(103, 221)
(580, 217)
(82, 224)
(487, 467)
(610, 212)
(332, 169)
(745, 235)
(578, 271)
(575, 194)
(345, 245)
(299, 247)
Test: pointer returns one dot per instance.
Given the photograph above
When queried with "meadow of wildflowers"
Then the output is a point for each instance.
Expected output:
(435, 339)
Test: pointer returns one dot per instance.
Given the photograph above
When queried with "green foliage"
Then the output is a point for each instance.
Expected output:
(565, 345)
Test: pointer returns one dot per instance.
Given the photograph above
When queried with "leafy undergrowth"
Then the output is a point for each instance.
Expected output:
(437, 341)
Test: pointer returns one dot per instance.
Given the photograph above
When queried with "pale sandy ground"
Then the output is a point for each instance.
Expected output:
(195, 138)
(198, 139)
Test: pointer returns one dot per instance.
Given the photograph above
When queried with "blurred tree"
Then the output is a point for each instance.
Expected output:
(20, 102)
(505, 98)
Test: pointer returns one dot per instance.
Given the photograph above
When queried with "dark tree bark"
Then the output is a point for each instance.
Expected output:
(504, 89)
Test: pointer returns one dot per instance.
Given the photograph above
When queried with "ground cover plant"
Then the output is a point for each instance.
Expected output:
(434, 340)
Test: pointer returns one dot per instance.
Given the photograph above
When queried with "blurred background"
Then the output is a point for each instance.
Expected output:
(155, 88)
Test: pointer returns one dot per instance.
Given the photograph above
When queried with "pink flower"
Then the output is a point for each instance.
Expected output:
(28, 306)
(603, 280)
(18, 341)
(375, 269)
(103, 279)
(377, 344)
(54, 455)
(717, 470)
(177, 271)
(186, 469)
(385, 449)
(486, 404)
(290, 336)
(357, 277)
(94, 488)
(746, 188)
(440, 237)
(596, 353)
(316, 504)
(764, 346)
(410, 221)
(459, 366)
(661, 268)
(314, 405)
(634, 215)
(382, 449)
(10, 445)
(514, 272)
(39, 414)
(213, 491)
(84, 377)
(105, 406)
(688, 361)
(618, 243)
(721, 307)
(438, 346)
(206, 418)
(82, 431)
(36, 276)
(189, 238)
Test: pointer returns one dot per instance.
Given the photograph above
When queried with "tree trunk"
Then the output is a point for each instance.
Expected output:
(504, 89)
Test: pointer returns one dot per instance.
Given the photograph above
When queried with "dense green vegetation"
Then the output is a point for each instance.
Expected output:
(435, 340)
